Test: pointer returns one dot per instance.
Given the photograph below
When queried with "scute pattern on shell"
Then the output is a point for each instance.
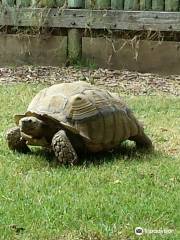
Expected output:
(99, 116)
(76, 101)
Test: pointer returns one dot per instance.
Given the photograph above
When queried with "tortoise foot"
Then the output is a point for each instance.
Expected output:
(63, 149)
(15, 142)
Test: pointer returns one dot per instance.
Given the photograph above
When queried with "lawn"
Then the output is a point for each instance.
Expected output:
(102, 200)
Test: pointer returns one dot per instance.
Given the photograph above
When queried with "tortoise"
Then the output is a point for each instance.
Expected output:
(69, 118)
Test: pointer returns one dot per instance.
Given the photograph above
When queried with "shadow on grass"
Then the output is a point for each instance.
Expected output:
(123, 152)
(126, 151)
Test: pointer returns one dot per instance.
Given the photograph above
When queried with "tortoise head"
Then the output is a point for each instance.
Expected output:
(32, 126)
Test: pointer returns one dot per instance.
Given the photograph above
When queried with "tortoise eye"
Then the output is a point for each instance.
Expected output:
(30, 120)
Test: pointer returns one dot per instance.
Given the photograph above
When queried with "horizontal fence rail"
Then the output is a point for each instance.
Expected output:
(92, 19)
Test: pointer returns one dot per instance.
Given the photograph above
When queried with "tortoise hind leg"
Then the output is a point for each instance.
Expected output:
(15, 142)
(63, 148)
(142, 141)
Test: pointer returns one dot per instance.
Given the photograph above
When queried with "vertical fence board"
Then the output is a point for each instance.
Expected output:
(172, 5)
(103, 4)
(90, 4)
(43, 3)
(158, 5)
(117, 4)
(131, 5)
(10, 3)
(23, 3)
(76, 3)
(145, 5)
(60, 3)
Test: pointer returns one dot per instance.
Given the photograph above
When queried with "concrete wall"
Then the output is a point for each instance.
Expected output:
(143, 56)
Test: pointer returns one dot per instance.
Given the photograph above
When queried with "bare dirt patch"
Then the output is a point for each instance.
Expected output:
(126, 82)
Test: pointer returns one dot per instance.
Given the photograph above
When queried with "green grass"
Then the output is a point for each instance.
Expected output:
(39, 200)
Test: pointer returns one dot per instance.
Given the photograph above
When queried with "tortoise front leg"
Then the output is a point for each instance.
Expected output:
(63, 148)
(15, 141)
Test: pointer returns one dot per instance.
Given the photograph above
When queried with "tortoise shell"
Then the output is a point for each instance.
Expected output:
(100, 117)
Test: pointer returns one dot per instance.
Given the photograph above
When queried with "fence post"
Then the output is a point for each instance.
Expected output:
(74, 35)
(117, 4)
(145, 4)
(131, 5)
(158, 5)
(172, 5)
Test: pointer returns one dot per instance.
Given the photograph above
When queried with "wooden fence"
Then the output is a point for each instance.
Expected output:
(74, 15)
